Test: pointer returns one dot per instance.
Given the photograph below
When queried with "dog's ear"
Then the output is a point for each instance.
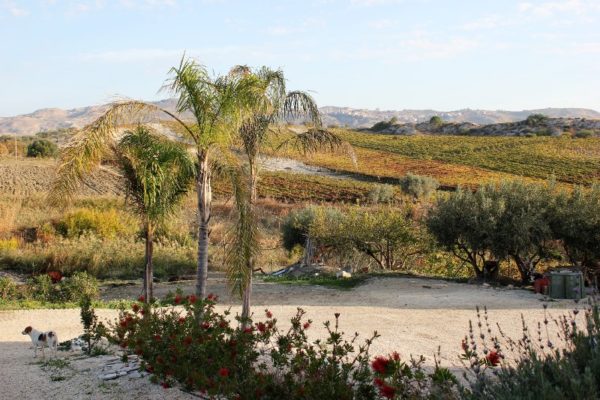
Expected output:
(27, 330)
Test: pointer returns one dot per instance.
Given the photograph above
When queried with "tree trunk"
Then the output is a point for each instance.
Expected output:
(248, 289)
(525, 269)
(204, 192)
(149, 273)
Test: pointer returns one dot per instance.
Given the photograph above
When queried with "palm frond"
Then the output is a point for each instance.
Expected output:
(95, 141)
(243, 246)
(301, 105)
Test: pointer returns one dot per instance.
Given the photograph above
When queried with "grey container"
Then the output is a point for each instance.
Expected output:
(566, 285)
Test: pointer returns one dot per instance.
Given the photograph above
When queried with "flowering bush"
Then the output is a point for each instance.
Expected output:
(545, 366)
(201, 350)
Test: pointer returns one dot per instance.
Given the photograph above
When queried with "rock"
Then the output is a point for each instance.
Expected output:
(343, 274)
(486, 285)
(510, 287)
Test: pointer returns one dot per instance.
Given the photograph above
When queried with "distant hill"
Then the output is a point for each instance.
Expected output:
(49, 119)
(361, 118)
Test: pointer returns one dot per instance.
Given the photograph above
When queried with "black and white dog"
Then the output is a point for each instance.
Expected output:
(41, 340)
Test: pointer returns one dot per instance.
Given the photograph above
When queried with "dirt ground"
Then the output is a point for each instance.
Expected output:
(413, 316)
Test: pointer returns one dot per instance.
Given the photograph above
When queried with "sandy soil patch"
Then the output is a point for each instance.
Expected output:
(413, 316)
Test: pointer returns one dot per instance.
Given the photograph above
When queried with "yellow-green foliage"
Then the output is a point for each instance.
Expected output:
(103, 223)
(9, 244)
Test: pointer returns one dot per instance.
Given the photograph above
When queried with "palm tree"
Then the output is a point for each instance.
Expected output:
(157, 173)
(217, 106)
(276, 105)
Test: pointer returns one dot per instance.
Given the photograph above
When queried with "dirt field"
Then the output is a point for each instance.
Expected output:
(413, 316)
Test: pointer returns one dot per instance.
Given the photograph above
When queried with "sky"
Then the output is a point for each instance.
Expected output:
(385, 54)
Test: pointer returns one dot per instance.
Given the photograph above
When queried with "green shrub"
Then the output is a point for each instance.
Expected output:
(8, 288)
(418, 186)
(436, 120)
(42, 148)
(536, 120)
(103, 223)
(565, 367)
(79, 287)
(584, 133)
(295, 228)
(382, 194)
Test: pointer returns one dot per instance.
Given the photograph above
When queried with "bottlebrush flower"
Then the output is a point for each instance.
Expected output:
(261, 327)
(135, 308)
(269, 314)
(141, 299)
(380, 364)
(493, 358)
(187, 340)
(192, 299)
(306, 325)
(387, 391)
(177, 299)
(224, 372)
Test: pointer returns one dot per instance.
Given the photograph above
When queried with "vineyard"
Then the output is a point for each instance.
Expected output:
(465, 160)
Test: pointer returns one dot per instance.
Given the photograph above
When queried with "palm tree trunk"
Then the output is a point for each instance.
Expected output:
(204, 192)
(148, 271)
(248, 289)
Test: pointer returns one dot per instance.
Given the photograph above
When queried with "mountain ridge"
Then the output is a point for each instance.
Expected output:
(48, 119)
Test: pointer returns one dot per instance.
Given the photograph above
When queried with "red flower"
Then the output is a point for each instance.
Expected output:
(123, 323)
(141, 299)
(157, 338)
(224, 372)
(165, 385)
(181, 320)
(261, 327)
(380, 364)
(387, 391)
(142, 312)
(396, 356)
(269, 314)
(211, 297)
(177, 299)
(192, 299)
(205, 325)
(248, 329)
(187, 340)
(135, 308)
(306, 325)
(222, 324)
(493, 358)
(378, 382)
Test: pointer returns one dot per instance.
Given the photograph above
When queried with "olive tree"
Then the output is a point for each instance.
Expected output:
(464, 223)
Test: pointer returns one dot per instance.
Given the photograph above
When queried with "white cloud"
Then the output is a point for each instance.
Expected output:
(381, 24)
(13, 8)
(299, 27)
(488, 22)
(550, 8)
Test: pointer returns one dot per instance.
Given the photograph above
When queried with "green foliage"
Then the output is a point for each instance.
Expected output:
(463, 223)
(103, 223)
(536, 120)
(436, 120)
(93, 330)
(297, 225)
(382, 194)
(8, 288)
(321, 280)
(72, 289)
(383, 125)
(201, 350)
(577, 223)
(522, 231)
(418, 186)
(568, 368)
(584, 133)
(386, 235)
(42, 148)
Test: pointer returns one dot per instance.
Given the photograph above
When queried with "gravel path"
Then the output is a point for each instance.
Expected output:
(413, 316)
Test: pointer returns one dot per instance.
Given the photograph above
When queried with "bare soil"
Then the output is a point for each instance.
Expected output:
(413, 316)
